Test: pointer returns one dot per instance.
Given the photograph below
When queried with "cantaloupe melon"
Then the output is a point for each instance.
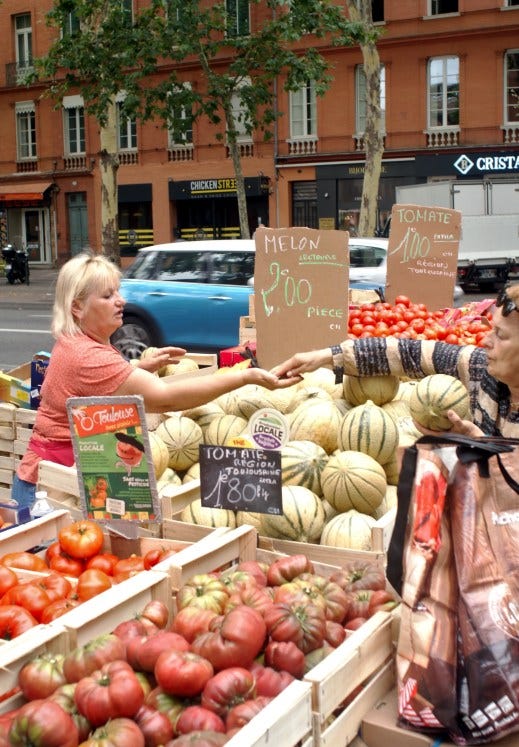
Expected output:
(368, 428)
(433, 396)
(191, 474)
(302, 519)
(352, 479)
(195, 513)
(304, 394)
(389, 502)
(323, 378)
(168, 477)
(244, 401)
(378, 389)
(351, 529)
(251, 518)
(182, 437)
(316, 421)
(203, 415)
(302, 463)
(223, 428)
(159, 453)
(392, 470)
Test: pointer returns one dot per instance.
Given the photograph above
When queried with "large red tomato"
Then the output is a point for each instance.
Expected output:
(55, 585)
(242, 713)
(41, 676)
(198, 718)
(84, 660)
(64, 696)
(156, 612)
(105, 561)
(142, 653)
(270, 682)
(110, 692)
(287, 568)
(191, 621)
(285, 656)
(360, 574)
(235, 641)
(91, 583)
(32, 598)
(81, 539)
(119, 732)
(14, 621)
(58, 608)
(27, 561)
(67, 565)
(8, 579)
(203, 590)
(43, 723)
(302, 623)
(228, 688)
(182, 672)
(128, 567)
(155, 726)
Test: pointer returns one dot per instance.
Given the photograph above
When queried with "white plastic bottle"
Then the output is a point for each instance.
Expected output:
(41, 506)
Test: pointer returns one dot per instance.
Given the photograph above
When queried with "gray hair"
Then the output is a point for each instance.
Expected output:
(78, 278)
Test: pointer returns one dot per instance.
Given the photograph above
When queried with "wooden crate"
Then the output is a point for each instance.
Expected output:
(173, 528)
(247, 330)
(61, 485)
(7, 456)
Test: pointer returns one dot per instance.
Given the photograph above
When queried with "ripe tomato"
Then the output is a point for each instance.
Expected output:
(189, 622)
(41, 676)
(303, 623)
(155, 726)
(285, 656)
(182, 673)
(43, 722)
(56, 586)
(119, 732)
(27, 561)
(227, 688)
(198, 718)
(241, 714)
(8, 579)
(237, 640)
(105, 561)
(452, 339)
(84, 660)
(128, 567)
(81, 539)
(32, 598)
(287, 568)
(403, 300)
(142, 652)
(58, 608)
(69, 566)
(157, 555)
(91, 583)
(14, 620)
(110, 692)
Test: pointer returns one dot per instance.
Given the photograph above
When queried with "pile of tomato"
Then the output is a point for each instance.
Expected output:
(73, 570)
(405, 319)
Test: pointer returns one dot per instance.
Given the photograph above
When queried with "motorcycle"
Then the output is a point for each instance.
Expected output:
(16, 264)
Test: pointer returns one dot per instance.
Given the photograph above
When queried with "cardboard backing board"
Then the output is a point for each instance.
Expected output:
(422, 255)
(301, 291)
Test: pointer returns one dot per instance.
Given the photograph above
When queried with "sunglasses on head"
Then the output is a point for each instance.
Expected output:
(506, 302)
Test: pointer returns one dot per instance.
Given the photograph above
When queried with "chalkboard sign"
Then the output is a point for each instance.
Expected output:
(241, 479)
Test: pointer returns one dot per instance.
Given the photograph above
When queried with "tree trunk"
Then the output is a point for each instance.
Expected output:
(241, 196)
(109, 163)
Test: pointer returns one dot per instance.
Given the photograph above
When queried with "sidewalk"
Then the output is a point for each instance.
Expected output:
(39, 291)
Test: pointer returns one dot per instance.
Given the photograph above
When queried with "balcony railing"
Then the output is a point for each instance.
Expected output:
(75, 162)
(179, 152)
(128, 157)
(27, 165)
(302, 146)
(510, 134)
(358, 139)
(442, 137)
(15, 72)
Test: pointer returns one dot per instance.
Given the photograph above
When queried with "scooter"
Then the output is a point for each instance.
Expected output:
(16, 264)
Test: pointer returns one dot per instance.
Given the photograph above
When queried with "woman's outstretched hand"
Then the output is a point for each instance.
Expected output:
(161, 357)
(301, 363)
(463, 427)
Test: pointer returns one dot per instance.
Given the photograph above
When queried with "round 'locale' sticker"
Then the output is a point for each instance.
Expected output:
(269, 429)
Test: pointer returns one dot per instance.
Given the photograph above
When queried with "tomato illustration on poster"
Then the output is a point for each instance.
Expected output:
(113, 458)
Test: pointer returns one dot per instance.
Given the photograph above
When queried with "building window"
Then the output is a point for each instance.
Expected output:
(303, 111)
(239, 115)
(74, 125)
(377, 11)
(238, 21)
(126, 130)
(360, 98)
(511, 3)
(23, 42)
(71, 25)
(180, 130)
(443, 82)
(127, 9)
(512, 87)
(441, 7)
(25, 131)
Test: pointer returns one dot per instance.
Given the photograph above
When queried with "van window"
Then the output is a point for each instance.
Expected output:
(366, 256)
(220, 268)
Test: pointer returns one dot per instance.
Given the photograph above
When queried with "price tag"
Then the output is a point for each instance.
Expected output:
(241, 479)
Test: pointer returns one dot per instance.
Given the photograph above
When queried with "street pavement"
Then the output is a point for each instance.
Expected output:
(40, 290)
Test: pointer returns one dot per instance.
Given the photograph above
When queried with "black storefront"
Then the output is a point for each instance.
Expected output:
(135, 217)
(208, 208)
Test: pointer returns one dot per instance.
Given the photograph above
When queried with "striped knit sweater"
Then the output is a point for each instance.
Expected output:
(489, 398)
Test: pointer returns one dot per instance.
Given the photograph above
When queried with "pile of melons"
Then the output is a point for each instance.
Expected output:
(340, 467)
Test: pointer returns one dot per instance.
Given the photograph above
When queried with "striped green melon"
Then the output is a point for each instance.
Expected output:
(159, 454)
(368, 428)
(352, 479)
(168, 477)
(323, 378)
(378, 389)
(351, 529)
(204, 414)
(302, 463)
(392, 470)
(193, 473)
(302, 519)
(316, 421)
(251, 518)
(304, 394)
(195, 513)
(247, 399)
(433, 396)
(182, 437)
(222, 428)
(389, 502)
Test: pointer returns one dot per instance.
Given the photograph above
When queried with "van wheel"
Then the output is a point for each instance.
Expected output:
(132, 338)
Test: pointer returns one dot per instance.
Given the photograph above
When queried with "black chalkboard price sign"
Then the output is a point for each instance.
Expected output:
(241, 479)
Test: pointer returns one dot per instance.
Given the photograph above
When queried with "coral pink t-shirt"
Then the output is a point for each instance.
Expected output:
(79, 367)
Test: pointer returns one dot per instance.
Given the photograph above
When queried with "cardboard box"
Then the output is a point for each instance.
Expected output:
(247, 331)
(230, 356)
(39, 365)
(21, 385)
(379, 729)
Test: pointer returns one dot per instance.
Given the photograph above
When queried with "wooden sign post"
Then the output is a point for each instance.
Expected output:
(422, 256)
(301, 291)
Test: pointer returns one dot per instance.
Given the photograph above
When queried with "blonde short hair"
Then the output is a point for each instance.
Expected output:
(77, 279)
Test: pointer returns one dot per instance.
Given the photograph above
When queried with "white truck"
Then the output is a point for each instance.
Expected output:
(489, 246)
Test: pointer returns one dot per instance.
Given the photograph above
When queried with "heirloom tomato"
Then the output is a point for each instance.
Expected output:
(32, 598)
(205, 591)
(156, 727)
(198, 718)
(142, 652)
(258, 570)
(182, 673)
(64, 696)
(66, 564)
(382, 600)
(104, 561)
(168, 704)
(119, 732)
(335, 633)
(242, 713)
(359, 603)
(189, 622)
(91, 583)
(360, 574)
(43, 723)
(81, 539)
(128, 567)
(285, 656)
(55, 585)
(156, 612)
(269, 681)
(287, 568)
(110, 692)
(302, 623)
(14, 621)
(251, 596)
(41, 676)
(237, 638)
(84, 660)
(228, 688)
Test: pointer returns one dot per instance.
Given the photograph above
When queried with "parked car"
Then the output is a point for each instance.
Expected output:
(192, 294)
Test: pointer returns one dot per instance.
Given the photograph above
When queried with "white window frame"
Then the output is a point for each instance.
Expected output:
(445, 75)
(509, 100)
(303, 112)
(239, 122)
(25, 113)
(73, 107)
(240, 20)
(512, 3)
(68, 27)
(185, 138)
(23, 43)
(433, 10)
(360, 99)
(126, 127)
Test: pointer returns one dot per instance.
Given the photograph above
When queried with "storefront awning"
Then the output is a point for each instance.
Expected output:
(23, 191)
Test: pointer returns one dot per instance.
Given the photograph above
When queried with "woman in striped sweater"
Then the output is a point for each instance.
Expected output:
(491, 374)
